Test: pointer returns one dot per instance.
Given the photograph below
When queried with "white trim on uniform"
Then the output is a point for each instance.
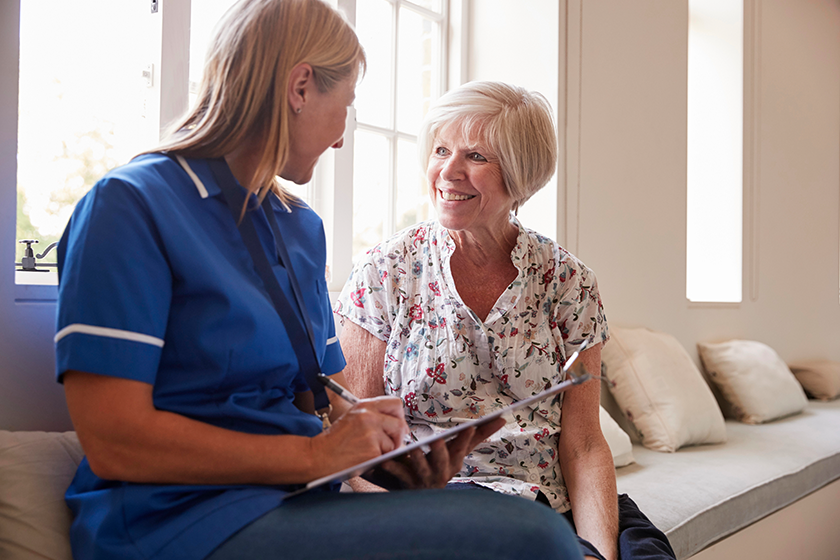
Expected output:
(108, 332)
(332, 340)
(202, 190)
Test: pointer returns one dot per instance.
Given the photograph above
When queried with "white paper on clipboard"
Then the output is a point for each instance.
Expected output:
(575, 378)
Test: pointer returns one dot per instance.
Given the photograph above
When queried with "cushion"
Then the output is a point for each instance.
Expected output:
(819, 378)
(658, 387)
(754, 381)
(619, 442)
(35, 470)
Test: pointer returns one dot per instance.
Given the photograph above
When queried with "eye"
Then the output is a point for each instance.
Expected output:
(441, 151)
(475, 156)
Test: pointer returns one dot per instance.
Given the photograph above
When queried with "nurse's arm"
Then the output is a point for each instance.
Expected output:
(126, 438)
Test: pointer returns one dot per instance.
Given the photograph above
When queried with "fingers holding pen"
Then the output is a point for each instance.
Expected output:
(367, 430)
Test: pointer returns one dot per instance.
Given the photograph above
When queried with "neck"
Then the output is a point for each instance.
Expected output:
(486, 247)
(243, 163)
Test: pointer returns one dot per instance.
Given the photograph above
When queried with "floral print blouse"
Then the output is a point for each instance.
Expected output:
(449, 367)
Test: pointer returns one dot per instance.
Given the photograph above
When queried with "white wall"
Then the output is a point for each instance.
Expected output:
(630, 150)
(29, 396)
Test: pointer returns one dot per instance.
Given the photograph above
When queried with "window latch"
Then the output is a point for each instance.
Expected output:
(27, 263)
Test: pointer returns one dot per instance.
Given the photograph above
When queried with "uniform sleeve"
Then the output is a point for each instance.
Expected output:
(333, 360)
(579, 313)
(115, 287)
(365, 299)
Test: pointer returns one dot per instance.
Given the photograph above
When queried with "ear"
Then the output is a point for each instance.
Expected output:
(301, 80)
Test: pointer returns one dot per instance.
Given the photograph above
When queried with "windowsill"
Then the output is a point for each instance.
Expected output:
(713, 304)
(36, 286)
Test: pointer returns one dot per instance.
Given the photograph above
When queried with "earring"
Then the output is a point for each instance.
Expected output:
(298, 110)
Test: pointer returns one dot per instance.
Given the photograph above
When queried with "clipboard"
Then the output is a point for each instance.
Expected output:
(575, 376)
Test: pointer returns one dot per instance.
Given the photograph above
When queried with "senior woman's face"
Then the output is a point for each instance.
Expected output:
(466, 184)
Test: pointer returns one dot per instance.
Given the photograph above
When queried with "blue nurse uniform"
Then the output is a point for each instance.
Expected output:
(156, 286)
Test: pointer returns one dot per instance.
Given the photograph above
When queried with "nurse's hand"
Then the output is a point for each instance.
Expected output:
(443, 461)
(367, 430)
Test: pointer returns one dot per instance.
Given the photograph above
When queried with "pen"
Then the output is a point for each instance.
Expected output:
(347, 396)
(338, 389)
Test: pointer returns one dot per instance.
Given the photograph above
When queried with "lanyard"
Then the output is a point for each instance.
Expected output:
(300, 335)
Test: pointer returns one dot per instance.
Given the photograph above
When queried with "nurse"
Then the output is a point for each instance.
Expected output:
(193, 317)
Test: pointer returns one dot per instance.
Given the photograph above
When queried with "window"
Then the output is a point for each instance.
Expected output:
(404, 45)
(377, 175)
(81, 112)
(85, 109)
(715, 151)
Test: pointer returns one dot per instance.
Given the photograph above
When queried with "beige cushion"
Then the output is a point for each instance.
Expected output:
(35, 470)
(619, 442)
(819, 378)
(658, 387)
(753, 380)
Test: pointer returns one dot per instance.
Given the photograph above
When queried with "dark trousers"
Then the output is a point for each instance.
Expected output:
(638, 538)
(406, 525)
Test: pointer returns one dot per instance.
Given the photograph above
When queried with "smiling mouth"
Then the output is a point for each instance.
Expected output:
(453, 196)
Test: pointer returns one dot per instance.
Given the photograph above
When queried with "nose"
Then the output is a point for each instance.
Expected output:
(339, 144)
(452, 170)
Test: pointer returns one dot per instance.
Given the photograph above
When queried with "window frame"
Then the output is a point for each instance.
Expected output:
(168, 31)
(331, 190)
(334, 176)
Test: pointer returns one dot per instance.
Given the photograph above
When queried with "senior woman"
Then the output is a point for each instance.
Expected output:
(472, 312)
(186, 376)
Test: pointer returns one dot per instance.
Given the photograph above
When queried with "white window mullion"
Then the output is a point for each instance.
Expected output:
(390, 219)
(333, 191)
(172, 50)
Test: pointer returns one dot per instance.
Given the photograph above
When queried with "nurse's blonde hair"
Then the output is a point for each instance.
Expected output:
(514, 123)
(246, 78)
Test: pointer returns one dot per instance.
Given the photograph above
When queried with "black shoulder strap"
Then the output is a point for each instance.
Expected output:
(301, 336)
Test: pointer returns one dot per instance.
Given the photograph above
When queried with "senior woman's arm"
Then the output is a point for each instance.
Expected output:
(365, 356)
(586, 463)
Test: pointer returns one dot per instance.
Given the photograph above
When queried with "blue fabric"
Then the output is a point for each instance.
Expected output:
(156, 286)
(407, 525)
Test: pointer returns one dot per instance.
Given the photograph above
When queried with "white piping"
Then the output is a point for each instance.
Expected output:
(108, 332)
(202, 190)
(332, 340)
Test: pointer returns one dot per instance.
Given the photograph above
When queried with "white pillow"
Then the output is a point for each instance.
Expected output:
(753, 380)
(618, 440)
(659, 389)
(35, 470)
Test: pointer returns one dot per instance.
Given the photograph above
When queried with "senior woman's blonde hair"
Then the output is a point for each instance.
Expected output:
(516, 124)
(246, 77)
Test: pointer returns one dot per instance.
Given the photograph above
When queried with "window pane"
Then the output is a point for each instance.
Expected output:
(374, 25)
(715, 151)
(370, 190)
(412, 193)
(415, 70)
(81, 107)
(434, 5)
(204, 14)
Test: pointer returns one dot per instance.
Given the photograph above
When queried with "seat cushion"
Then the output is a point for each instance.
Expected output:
(699, 495)
(35, 470)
